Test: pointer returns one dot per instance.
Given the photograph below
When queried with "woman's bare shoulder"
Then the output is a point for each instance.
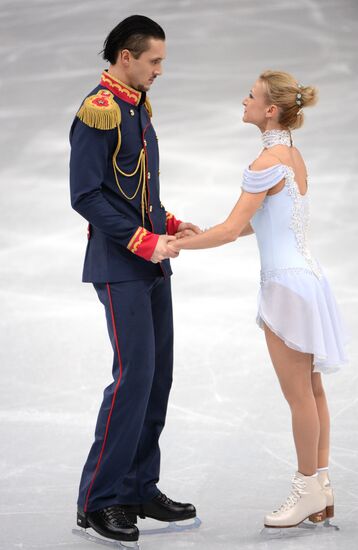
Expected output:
(264, 160)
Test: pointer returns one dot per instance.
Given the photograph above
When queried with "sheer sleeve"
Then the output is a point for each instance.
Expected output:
(256, 181)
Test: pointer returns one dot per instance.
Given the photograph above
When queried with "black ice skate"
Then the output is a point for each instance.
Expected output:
(110, 522)
(160, 508)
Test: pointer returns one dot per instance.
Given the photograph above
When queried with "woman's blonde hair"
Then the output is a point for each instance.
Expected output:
(283, 90)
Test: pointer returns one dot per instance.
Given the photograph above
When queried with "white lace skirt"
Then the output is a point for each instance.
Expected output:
(301, 309)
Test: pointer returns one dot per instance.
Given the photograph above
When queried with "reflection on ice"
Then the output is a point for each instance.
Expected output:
(167, 528)
(173, 527)
(83, 533)
(302, 530)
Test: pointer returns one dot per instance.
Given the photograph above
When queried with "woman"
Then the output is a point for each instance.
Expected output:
(297, 310)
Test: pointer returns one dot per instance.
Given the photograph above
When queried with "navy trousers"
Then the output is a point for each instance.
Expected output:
(123, 464)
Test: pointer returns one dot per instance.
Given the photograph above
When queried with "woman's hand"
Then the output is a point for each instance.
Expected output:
(187, 226)
(187, 229)
(185, 233)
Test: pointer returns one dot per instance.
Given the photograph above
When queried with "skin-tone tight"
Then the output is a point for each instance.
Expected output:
(306, 398)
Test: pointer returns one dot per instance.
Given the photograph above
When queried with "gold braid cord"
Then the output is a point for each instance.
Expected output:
(148, 106)
(141, 168)
(141, 181)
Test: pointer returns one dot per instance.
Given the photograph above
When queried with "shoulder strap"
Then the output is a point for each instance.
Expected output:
(256, 181)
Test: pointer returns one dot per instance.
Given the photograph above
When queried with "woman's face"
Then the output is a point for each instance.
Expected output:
(255, 104)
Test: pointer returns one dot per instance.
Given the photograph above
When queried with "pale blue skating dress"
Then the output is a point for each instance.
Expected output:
(295, 299)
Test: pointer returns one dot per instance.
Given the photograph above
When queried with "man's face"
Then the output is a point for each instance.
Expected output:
(141, 72)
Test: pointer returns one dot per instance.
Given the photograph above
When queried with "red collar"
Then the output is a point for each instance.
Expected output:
(121, 90)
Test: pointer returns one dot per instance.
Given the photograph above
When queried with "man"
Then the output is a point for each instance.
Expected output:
(114, 181)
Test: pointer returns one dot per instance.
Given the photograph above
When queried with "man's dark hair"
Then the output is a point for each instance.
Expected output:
(131, 34)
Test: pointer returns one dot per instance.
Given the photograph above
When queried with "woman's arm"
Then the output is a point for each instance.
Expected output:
(248, 230)
(238, 222)
(233, 227)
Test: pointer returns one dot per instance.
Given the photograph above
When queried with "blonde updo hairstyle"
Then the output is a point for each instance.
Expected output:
(283, 90)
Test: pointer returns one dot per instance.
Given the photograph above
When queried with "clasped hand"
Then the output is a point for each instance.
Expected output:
(163, 250)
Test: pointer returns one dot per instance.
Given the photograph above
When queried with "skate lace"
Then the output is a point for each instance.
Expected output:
(166, 500)
(298, 486)
(116, 516)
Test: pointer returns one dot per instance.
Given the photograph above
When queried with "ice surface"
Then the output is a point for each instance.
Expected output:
(227, 446)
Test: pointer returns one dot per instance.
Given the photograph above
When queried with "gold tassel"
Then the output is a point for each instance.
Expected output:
(100, 111)
(148, 106)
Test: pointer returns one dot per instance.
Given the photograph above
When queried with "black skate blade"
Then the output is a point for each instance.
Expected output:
(108, 543)
(172, 527)
(302, 530)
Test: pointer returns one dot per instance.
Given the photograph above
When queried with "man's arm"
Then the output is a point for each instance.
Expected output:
(180, 229)
(172, 224)
(91, 150)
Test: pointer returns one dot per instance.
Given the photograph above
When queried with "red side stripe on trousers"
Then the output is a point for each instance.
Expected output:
(113, 399)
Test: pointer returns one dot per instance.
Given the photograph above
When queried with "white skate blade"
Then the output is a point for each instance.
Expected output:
(172, 527)
(304, 529)
(108, 543)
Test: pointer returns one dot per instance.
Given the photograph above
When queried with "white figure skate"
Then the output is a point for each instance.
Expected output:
(306, 501)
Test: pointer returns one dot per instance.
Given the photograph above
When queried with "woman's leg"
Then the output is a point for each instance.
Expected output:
(294, 371)
(323, 413)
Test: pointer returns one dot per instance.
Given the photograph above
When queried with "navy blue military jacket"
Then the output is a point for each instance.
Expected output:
(114, 184)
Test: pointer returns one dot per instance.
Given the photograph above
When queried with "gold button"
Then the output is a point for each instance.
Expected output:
(145, 142)
(132, 112)
(150, 208)
(149, 175)
(158, 172)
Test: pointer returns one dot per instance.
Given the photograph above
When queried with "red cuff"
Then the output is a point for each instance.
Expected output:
(172, 224)
(143, 243)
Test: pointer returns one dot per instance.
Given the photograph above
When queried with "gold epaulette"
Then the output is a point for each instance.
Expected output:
(148, 106)
(100, 111)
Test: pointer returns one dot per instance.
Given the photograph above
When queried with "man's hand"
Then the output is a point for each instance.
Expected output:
(162, 251)
(186, 229)
(174, 246)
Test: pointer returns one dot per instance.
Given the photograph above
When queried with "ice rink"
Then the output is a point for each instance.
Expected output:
(227, 445)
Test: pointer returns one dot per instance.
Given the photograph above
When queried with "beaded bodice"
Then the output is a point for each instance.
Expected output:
(281, 223)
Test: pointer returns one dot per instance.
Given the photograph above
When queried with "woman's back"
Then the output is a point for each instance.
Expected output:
(290, 156)
(284, 154)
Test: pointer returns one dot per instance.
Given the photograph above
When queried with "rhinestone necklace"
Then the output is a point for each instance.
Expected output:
(276, 137)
